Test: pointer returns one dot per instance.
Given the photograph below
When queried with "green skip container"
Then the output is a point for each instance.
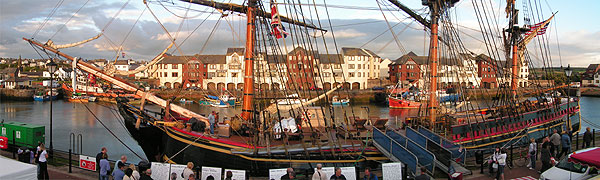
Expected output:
(27, 135)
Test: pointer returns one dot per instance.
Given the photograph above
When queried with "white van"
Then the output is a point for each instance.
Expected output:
(568, 170)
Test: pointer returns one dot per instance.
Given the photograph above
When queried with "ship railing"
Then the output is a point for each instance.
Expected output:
(426, 158)
(394, 150)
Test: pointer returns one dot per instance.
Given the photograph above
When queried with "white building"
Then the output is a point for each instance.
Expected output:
(169, 71)
(122, 65)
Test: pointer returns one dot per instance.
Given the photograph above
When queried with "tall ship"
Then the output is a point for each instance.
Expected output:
(268, 134)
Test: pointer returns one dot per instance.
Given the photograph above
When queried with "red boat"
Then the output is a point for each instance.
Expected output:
(395, 102)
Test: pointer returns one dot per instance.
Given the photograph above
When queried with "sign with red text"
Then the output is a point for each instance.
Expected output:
(3, 142)
(86, 162)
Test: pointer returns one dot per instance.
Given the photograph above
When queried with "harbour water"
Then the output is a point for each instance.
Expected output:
(76, 118)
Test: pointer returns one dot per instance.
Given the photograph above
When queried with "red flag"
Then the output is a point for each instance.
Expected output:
(278, 29)
(123, 54)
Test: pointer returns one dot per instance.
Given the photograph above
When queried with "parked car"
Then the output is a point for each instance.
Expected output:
(568, 170)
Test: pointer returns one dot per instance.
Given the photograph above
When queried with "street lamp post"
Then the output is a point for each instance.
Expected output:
(51, 68)
(568, 72)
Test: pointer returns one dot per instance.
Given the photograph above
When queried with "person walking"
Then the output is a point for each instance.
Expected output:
(532, 154)
(104, 167)
(566, 144)
(545, 158)
(555, 140)
(188, 170)
(319, 174)
(501, 160)
(211, 121)
(43, 157)
(100, 156)
(587, 138)
(369, 175)
(338, 175)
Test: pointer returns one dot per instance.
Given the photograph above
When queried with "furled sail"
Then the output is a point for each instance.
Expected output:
(274, 107)
(51, 43)
(111, 69)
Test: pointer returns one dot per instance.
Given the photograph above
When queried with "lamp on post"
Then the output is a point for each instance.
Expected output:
(568, 72)
(52, 69)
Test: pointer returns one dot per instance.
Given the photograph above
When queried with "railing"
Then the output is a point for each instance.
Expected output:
(443, 155)
(426, 158)
(458, 152)
(396, 150)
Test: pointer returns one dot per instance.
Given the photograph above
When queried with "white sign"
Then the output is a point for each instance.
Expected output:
(18, 134)
(327, 172)
(3, 131)
(178, 170)
(86, 162)
(237, 174)
(160, 170)
(211, 173)
(275, 174)
(349, 172)
(392, 170)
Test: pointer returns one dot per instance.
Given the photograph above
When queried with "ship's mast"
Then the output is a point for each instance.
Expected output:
(513, 42)
(433, 62)
(248, 97)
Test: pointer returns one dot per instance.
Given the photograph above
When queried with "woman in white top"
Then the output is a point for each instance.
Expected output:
(42, 158)
(501, 160)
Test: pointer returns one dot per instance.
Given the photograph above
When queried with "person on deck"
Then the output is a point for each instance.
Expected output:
(338, 175)
(566, 145)
(555, 139)
(369, 175)
(587, 138)
(319, 174)
(146, 175)
(211, 121)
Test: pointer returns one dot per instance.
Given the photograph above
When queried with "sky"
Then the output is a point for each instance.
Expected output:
(572, 37)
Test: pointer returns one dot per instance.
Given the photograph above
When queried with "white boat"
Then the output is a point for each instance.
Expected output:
(290, 100)
(339, 102)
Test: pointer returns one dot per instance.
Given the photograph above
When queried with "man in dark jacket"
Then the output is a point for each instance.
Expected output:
(369, 175)
(587, 138)
(98, 157)
(146, 175)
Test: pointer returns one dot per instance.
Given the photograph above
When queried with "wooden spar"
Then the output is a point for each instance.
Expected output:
(515, 70)
(242, 9)
(433, 60)
(248, 97)
(123, 84)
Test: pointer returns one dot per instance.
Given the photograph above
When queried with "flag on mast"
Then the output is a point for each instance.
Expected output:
(544, 25)
(278, 29)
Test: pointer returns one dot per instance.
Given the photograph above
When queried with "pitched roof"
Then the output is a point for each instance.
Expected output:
(122, 62)
(331, 59)
(301, 49)
(411, 55)
(211, 59)
(169, 59)
(239, 51)
(8, 70)
(593, 67)
(349, 51)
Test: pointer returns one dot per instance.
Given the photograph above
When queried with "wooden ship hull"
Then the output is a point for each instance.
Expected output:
(178, 145)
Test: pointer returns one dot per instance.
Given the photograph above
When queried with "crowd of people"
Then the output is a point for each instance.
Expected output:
(553, 148)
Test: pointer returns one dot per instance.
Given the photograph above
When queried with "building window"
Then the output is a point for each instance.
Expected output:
(359, 74)
(350, 66)
(212, 66)
(211, 75)
(221, 74)
(351, 74)
(326, 74)
(174, 74)
(337, 66)
(165, 74)
(234, 74)
(359, 66)
(174, 66)
(326, 66)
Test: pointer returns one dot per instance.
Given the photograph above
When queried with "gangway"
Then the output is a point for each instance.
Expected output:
(393, 150)
(450, 156)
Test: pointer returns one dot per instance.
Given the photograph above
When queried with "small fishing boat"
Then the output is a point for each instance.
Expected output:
(339, 102)
(92, 99)
(79, 99)
(40, 98)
